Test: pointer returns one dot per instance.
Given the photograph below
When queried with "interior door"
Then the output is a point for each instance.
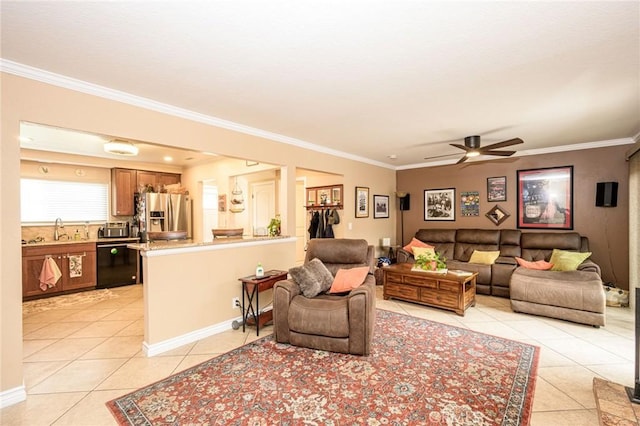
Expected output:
(263, 196)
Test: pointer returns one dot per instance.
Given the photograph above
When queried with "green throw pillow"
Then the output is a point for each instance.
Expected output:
(484, 257)
(567, 260)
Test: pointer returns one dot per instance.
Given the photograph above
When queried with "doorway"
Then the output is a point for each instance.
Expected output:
(263, 196)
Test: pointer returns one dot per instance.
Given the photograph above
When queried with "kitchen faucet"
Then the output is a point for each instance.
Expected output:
(56, 233)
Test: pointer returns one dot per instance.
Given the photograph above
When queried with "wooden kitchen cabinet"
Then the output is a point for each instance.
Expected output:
(147, 178)
(123, 186)
(165, 179)
(33, 258)
(126, 182)
(156, 179)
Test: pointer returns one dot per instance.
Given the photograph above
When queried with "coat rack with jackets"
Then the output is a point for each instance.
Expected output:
(323, 203)
(321, 223)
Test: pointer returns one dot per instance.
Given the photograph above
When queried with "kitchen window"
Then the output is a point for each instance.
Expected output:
(45, 200)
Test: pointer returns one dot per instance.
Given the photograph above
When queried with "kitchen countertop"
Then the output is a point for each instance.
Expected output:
(90, 240)
(178, 244)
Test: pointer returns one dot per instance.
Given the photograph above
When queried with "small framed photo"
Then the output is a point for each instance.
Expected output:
(336, 195)
(380, 206)
(439, 204)
(362, 201)
(497, 215)
(324, 196)
(311, 197)
(497, 188)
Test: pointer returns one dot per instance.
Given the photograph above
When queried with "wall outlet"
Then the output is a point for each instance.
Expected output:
(235, 302)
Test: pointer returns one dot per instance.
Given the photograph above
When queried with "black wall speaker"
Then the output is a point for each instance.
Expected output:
(607, 194)
(405, 202)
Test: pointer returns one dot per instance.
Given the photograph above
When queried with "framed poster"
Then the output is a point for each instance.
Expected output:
(380, 206)
(439, 204)
(470, 203)
(362, 201)
(497, 188)
(545, 198)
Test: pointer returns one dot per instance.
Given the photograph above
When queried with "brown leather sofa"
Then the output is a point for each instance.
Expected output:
(576, 296)
(332, 322)
(569, 295)
(457, 245)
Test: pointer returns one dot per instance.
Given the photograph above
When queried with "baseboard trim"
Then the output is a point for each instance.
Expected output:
(13, 396)
(193, 336)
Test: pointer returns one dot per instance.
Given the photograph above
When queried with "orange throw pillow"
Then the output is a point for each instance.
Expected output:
(415, 243)
(348, 279)
(540, 265)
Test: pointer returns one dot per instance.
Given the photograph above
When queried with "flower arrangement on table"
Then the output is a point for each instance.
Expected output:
(429, 260)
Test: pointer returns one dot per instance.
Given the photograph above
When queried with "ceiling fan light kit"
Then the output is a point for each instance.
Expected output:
(120, 148)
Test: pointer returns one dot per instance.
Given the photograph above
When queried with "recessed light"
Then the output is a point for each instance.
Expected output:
(168, 158)
(393, 156)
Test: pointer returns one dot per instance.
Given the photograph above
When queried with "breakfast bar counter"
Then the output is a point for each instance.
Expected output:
(189, 286)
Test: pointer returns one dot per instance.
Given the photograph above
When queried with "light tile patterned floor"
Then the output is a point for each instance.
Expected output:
(77, 359)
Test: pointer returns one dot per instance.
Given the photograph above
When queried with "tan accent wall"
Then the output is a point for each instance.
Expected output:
(29, 100)
(606, 227)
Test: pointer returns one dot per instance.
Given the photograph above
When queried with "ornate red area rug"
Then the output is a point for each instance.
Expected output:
(419, 372)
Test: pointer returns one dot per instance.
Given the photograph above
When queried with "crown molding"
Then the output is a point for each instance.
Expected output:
(539, 151)
(54, 79)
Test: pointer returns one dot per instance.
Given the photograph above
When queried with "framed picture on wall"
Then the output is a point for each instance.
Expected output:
(380, 206)
(362, 201)
(497, 215)
(545, 198)
(470, 203)
(439, 204)
(497, 188)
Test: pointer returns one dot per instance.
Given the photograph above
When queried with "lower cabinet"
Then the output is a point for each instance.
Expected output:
(76, 261)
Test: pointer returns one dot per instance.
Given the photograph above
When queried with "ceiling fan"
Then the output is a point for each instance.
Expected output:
(473, 148)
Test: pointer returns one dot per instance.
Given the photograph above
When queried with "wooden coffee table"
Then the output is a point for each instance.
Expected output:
(447, 291)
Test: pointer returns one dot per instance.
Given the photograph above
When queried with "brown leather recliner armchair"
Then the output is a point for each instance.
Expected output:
(337, 323)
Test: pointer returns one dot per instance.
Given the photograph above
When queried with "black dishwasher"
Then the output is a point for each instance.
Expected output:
(117, 264)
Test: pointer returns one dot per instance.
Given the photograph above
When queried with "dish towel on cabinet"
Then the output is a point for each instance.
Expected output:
(50, 274)
(75, 266)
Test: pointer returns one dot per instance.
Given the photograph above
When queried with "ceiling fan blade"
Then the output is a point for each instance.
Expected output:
(462, 160)
(440, 156)
(514, 141)
(465, 148)
(500, 153)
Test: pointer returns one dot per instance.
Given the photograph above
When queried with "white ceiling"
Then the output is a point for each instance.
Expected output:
(371, 79)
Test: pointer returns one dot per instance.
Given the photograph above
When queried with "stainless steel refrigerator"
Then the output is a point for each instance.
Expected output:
(166, 213)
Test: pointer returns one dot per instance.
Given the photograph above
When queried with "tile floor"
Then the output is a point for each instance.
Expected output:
(77, 358)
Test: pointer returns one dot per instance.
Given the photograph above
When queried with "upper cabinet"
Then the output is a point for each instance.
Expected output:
(319, 197)
(126, 182)
(123, 186)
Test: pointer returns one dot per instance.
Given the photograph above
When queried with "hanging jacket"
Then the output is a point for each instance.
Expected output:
(320, 230)
(328, 230)
(313, 225)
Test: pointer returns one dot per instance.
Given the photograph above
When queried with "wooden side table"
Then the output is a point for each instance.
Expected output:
(251, 288)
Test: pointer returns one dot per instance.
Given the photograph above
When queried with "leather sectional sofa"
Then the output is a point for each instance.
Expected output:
(572, 295)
